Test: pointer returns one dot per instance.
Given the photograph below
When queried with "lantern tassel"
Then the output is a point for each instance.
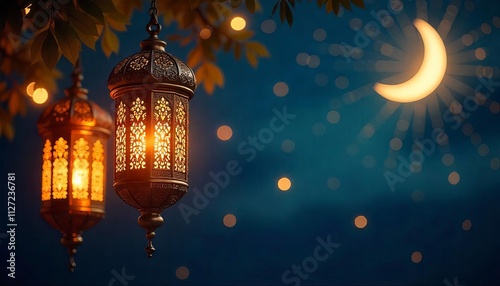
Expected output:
(150, 221)
(72, 241)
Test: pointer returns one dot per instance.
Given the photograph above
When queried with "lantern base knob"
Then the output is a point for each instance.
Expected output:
(72, 241)
(150, 221)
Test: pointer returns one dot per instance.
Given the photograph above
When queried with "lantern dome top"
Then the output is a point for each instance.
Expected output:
(75, 110)
(152, 65)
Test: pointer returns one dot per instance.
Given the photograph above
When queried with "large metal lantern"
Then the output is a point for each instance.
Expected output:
(74, 132)
(151, 89)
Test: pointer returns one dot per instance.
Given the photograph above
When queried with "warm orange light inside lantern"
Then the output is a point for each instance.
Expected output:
(87, 173)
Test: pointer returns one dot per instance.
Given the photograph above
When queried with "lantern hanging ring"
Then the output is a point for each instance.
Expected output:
(153, 27)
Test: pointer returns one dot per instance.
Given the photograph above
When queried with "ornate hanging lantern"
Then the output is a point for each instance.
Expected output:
(151, 89)
(74, 132)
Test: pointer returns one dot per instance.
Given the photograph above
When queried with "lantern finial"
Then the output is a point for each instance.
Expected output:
(150, 221)
(76, 89)
(71, 241)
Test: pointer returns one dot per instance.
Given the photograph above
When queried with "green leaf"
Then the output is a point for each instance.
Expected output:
(14, 102)
(258, 49)
(210, 75)
(6, 128)
(195, 57)
(88, 40)
(208, 54)
(194, 4)
(250, 5)
(36, 46)
(275, 7)
(227, 45)
(185, 41)
(282, 11)
(50, 51)
(117, 21)
(289, 15)
(252, 58)
(174, 37)
(358, 3)
(105, 5)
(68, 41)
(242, 35)
(109, 41)
(346, 4)
(235, 3)
(237, 51)
(3, 86)
(92, 9)
(82, 23)
(333, 6)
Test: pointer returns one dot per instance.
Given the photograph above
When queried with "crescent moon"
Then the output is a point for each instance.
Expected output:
(429, 76)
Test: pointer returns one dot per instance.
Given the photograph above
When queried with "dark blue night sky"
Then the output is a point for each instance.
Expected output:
(345, 149)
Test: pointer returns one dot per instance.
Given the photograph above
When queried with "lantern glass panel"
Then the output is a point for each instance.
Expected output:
(137, 135)
(163, 125)
(46, 170)
(80, 172)
(121, 138)
(97, 188)
(60, 171)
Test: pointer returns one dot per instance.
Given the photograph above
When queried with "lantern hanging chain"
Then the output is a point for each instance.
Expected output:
(153, 27)
(153, 11)
(76, 75)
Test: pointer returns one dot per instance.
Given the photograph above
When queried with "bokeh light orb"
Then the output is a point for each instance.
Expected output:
(238, 23)
(416, 257)
(205, 33)
(360, 221)
(229, 220)
(224, 133)
(284, 184)
(182, 273)
(30, 88)
(466, 225)
(40, 95)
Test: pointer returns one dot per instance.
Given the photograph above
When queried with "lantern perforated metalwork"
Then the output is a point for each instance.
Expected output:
(74, 132)
(151, 89)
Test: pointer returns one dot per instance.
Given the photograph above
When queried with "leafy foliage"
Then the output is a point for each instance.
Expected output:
(286, 6)
(35, 34)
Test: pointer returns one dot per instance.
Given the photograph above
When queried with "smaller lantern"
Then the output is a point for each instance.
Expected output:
(74, 132)
(151, 89)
